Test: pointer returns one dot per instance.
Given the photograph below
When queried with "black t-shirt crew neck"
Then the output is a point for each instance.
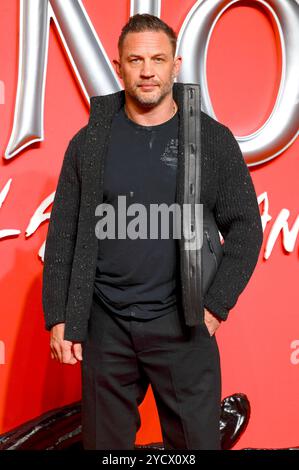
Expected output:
(148, 128)
(136, 278)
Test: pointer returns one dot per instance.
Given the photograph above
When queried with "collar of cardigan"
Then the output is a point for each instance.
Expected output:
(104, 107)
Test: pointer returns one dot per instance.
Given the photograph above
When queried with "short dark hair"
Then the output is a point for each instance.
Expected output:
(146, 22)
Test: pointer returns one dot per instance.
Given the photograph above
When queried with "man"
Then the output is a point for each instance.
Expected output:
(132, 309)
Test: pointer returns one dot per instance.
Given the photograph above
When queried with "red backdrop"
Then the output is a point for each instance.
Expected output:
(259, 343)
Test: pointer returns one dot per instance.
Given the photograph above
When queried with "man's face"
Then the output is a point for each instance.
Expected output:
(147, 67)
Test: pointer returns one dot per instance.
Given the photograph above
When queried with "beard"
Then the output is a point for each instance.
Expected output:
(149, 98)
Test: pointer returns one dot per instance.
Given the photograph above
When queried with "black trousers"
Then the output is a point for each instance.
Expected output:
(121, 357)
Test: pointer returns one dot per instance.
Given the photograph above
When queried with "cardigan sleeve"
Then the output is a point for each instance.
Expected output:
(61, 238)
(238, 218)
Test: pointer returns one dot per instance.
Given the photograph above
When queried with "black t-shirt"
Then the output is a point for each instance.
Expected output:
(137, 277)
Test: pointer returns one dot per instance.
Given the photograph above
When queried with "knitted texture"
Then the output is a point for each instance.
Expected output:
(71, 245)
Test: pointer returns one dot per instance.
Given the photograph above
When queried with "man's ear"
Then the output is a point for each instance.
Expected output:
(177, 65)
(117, 67)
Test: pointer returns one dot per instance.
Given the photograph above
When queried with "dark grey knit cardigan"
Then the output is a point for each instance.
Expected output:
(71, 246)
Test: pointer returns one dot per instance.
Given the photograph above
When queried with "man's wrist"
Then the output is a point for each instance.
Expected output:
(214, 314)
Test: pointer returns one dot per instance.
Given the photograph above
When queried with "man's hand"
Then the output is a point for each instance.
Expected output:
(212, 322)
(64, 351)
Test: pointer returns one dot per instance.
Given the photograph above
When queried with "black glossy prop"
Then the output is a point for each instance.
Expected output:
(60, 429)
